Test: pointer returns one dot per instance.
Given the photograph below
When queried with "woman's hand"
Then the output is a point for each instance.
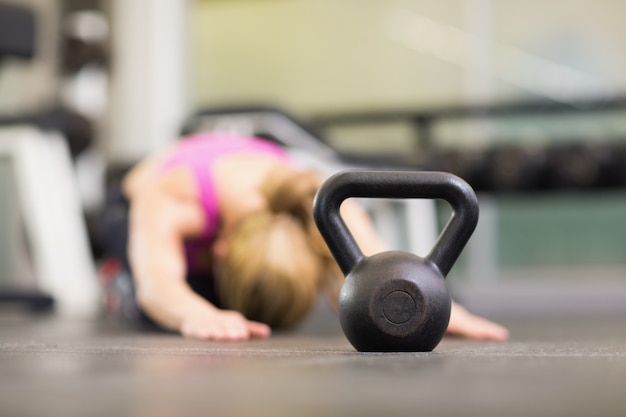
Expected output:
(222, 325)
(465, 324)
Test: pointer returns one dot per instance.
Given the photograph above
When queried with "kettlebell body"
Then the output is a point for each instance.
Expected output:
(398, 301)
(395, 301)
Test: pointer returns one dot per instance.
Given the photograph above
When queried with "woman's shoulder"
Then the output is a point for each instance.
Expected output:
(148, 176)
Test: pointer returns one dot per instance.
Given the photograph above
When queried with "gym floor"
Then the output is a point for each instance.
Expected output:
(568, 366)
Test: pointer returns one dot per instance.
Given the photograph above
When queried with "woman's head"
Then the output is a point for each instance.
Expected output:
(276, 260)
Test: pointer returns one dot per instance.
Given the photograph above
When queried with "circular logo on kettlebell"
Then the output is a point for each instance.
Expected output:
(397, 307)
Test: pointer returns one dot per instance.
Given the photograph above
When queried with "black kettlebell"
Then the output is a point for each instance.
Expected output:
(395, 301)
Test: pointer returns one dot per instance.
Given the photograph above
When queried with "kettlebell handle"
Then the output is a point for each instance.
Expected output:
(396, 184)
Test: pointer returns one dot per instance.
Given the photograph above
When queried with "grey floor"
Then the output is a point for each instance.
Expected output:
(570, 366)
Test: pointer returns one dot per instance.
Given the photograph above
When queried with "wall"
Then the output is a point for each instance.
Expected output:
(320, 56)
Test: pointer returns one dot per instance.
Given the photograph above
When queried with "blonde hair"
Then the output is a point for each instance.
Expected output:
(277, 261)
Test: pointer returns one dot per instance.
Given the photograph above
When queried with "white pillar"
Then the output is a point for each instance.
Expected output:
(148, 100)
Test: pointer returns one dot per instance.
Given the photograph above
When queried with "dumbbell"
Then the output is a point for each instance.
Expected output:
(514, 168)
(470, 164)
(394, 300)
(618, 170)
(581, 165)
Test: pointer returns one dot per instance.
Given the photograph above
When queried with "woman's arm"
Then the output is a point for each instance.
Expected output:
(462, 322)
(159, 219)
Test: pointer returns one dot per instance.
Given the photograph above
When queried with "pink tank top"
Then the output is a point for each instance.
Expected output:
(198, 153)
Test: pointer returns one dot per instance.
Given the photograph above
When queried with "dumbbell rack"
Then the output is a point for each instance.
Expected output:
(597, 163)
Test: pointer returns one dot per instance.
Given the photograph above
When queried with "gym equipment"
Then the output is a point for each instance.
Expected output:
(618, 172)
(516, 168)
(48, 199)
(471, 165)
(17, 39)
(34, 301)
(426, 120)
(394, 300)
(559, 163)
(53, 221)
(269, 122)
(77, 53)
(581, 165)
(17, 31)
(76, 129)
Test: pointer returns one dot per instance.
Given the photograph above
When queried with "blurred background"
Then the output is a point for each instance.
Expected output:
(523, 99)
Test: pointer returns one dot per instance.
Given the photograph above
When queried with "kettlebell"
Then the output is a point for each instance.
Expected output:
(395, 301)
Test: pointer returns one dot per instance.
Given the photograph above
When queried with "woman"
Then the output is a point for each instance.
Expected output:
(222, 245)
